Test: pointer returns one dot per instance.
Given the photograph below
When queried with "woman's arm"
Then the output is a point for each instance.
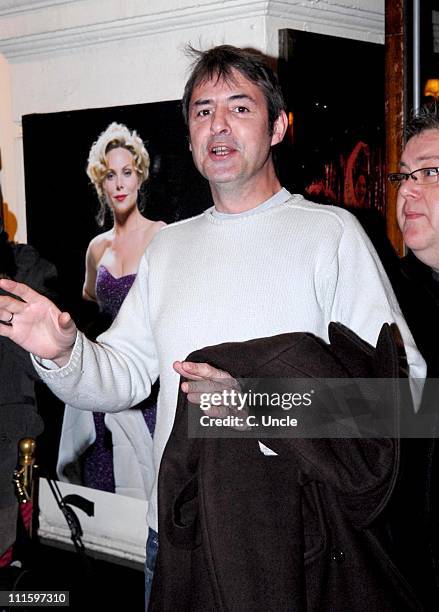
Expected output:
(89, 287)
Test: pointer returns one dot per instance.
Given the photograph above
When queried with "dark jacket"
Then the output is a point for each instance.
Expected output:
(18, 412)
(418, 294)
(417, 290)
(307, 529)
(19, 417)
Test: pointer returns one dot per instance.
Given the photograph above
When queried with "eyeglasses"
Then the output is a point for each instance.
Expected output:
(422, 176)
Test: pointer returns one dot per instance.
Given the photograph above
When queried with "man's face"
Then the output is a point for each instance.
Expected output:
(229, 135)
(418, 205)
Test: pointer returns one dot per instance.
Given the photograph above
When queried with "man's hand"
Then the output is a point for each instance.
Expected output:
(205, 379)
(35, 323)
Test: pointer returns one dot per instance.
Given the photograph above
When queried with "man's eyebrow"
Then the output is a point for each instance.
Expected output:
(420, 159)
(202, 102)
(241, 97)
(232, 98)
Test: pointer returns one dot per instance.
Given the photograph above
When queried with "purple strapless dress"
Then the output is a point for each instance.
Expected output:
(98, 472)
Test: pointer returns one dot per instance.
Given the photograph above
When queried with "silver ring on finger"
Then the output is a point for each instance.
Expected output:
(9, 321)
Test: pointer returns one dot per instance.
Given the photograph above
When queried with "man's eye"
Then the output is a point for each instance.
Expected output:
(203, 112)
(430, 172)
(241, 109)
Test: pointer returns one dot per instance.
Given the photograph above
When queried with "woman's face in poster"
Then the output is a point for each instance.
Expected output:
(121, 182)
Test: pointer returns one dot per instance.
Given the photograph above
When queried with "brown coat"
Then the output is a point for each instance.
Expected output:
(305, 530)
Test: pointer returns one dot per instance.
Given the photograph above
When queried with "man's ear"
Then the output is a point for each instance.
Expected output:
(279, 128)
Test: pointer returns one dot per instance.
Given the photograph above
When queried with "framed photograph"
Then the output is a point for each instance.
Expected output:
(334, 150)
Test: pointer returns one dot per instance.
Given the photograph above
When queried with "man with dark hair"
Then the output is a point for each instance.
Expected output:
(220, 62)
(260, 262)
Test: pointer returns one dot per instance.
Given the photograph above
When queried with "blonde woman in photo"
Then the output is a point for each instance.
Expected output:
(113, 452)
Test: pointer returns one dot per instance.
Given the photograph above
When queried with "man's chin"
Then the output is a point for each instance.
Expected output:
(221, 178)
(414, 237)
(414, 245)
(220, 172)
(420, 247)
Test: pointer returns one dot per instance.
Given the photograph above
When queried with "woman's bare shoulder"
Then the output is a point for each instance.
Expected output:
(150, 230)
(99, 243)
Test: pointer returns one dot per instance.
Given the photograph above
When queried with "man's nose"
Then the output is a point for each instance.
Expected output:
(410, 188)
(220, 124)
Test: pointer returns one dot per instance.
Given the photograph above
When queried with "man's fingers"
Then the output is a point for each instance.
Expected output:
(180, 369)
(196, 371)
(194, 398)
(23, 291)
(5, 330)
(213, 411)
(9, 304)
(206, 386)
(7, 284)
(187, 387)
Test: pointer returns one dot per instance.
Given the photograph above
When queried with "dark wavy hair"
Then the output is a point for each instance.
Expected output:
(219, 63)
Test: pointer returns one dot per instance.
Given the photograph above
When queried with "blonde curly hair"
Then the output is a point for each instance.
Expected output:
(116, 135)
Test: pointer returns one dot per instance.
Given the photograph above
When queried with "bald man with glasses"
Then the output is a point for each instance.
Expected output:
(417, 196)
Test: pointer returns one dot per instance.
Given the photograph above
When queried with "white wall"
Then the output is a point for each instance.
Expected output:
(60, 55)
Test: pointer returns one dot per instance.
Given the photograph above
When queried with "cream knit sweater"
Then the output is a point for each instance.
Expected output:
(291, 267)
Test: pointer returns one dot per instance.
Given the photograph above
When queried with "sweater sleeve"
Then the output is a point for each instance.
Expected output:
(359, 294)
(117, 371)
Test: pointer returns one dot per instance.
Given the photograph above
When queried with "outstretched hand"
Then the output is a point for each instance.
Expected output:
(35, 323)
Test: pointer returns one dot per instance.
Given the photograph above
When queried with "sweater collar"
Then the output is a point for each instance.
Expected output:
(278, 198)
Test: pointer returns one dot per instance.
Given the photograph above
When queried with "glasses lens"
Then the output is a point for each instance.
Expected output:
(426, 176)
(396, 178)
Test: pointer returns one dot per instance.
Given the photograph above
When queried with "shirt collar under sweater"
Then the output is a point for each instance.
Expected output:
(278, 198)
